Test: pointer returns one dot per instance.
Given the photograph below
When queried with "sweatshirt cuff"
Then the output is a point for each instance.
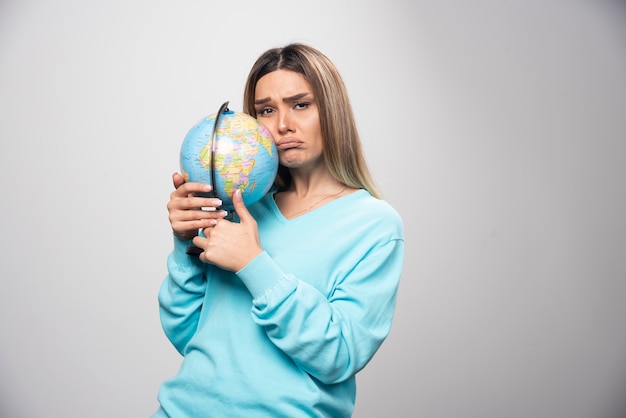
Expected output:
(180, 245)
(179, 253)
(260, 274)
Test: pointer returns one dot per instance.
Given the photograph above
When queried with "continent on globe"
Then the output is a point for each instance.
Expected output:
(243, 156)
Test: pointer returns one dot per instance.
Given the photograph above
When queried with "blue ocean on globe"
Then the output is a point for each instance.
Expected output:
(245, 156)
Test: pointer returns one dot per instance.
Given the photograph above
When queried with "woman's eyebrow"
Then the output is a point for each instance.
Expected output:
(295, 97)
(261, 101)
(289, 99)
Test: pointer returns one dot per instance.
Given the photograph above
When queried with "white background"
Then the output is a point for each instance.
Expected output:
(496, 128)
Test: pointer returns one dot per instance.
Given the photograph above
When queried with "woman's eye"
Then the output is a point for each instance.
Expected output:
(301, 105)
(264, 112)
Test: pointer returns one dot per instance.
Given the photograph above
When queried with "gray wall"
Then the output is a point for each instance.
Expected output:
(496, 128)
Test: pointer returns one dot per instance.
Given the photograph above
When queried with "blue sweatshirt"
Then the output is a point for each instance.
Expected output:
(286, 335)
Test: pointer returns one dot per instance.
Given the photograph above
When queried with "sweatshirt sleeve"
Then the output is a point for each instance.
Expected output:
(181, 294)
(331, 337)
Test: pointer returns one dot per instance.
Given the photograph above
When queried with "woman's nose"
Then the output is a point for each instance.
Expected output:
(284, 122)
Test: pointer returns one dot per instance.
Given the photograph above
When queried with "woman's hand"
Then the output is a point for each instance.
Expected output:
(188, 212)
(231, 245)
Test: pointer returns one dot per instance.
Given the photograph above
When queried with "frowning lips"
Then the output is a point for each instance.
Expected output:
(288, 143)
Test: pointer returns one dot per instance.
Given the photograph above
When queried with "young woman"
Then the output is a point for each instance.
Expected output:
(283, 308)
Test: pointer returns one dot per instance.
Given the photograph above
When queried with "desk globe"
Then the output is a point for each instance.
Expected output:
(237, 152)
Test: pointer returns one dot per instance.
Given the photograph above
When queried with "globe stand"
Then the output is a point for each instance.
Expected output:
(192, 249)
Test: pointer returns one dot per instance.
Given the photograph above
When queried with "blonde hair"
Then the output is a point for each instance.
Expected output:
(342, 145)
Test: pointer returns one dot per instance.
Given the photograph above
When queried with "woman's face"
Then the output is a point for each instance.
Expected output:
(285, 105)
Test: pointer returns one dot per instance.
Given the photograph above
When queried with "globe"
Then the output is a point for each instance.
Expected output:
(244, 156)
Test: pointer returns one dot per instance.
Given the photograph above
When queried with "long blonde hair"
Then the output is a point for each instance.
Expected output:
(342, 145)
